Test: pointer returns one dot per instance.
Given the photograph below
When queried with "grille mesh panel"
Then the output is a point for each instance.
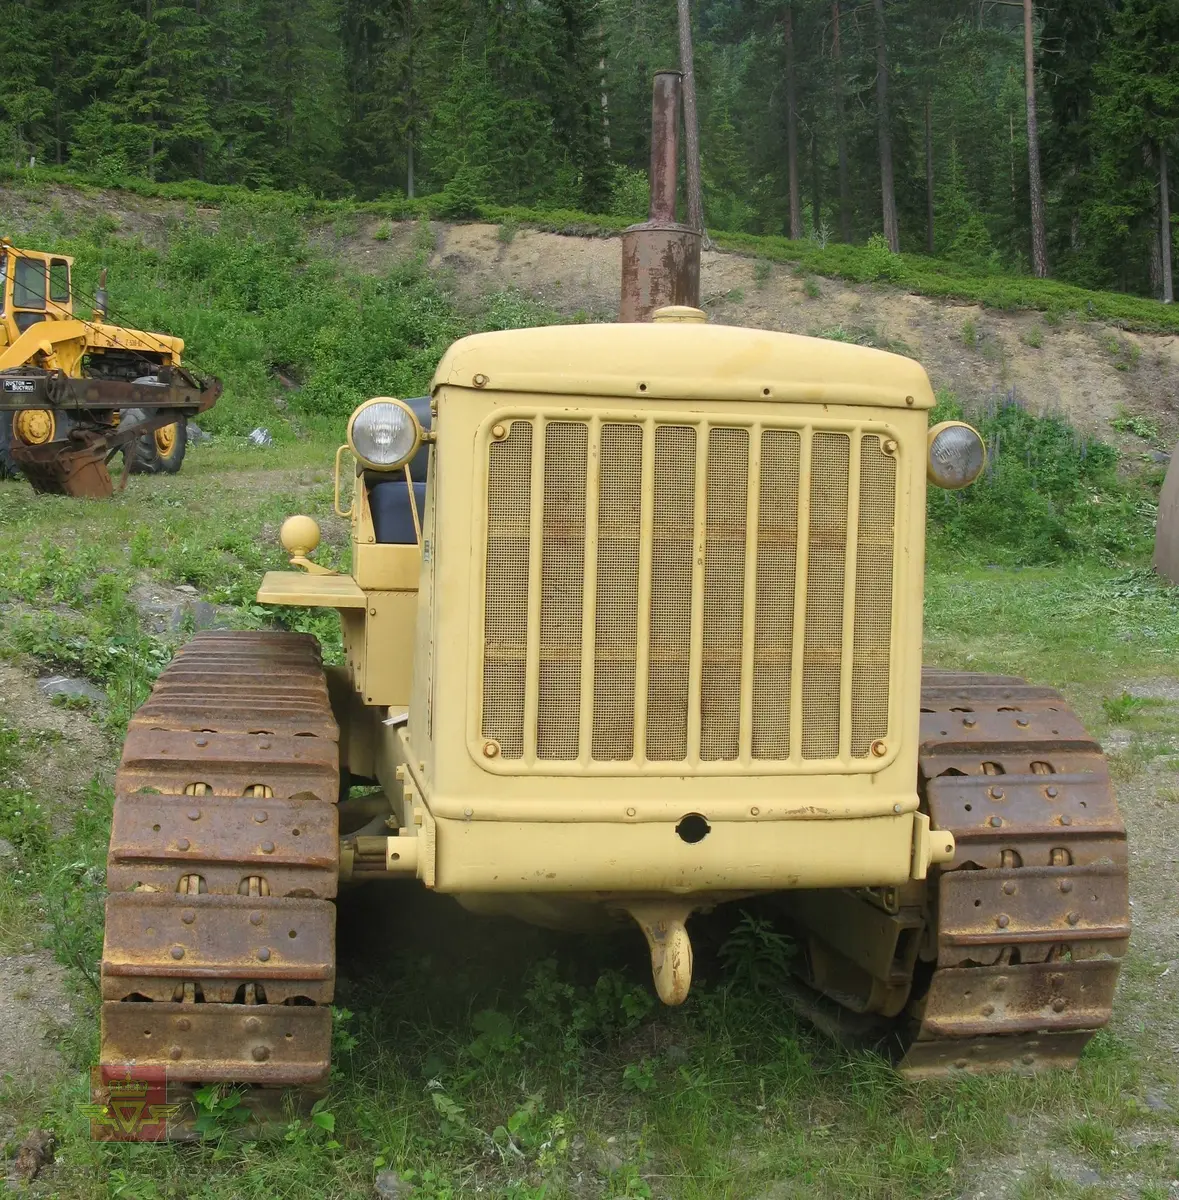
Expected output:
(505, 623)
(827, 550)
(671, 592)
(562, 576)
(724, 593)
(616, 627)
(777, 558)
(874, 560)
(688, 549)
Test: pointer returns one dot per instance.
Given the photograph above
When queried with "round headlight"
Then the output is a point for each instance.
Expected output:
(957, 455)
(384, 433)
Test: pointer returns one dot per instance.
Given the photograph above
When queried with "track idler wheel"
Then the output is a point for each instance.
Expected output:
(1008, 956)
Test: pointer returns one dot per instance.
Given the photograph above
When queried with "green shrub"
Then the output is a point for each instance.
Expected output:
(878, 261)
(630, 194)
(461, 199)
(1048, 494)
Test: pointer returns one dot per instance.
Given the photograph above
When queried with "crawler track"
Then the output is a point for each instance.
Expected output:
(218, 962)
(1017, 943)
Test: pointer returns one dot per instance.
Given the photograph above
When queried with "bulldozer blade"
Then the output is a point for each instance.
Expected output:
(65, 468)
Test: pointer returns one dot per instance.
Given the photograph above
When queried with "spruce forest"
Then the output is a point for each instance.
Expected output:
(826, 119)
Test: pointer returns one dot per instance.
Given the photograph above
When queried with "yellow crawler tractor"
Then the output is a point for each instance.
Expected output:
(74, 391)
(632, 628)
(643, 636)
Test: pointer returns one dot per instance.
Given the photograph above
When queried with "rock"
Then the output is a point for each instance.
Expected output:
(203, 615)
(196, 435)
(1155, 1102)
(1160, 456)
(606, 1160)
(8, 850)
(35, 1152)
(260, 437)
(186, 588)
(63, 685)
(388, 1185)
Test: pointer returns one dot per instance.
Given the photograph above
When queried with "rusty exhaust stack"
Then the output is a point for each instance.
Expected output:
(660, 258)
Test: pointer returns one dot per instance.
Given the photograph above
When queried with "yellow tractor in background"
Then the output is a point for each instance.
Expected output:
(74, 391)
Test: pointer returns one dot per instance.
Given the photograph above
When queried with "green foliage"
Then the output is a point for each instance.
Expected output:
(23, 822)
(566, 1019)
(1119, 709)
(866, 335)
(1141, 427)
(462, 197)
(220, 1110)
(878, 261)
(756, 955)
(1048, 493)
(630, 194)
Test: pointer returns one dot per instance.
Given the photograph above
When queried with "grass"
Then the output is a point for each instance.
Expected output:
(865, 335)
(483, 1057)
(478, 1057)
(860, 263)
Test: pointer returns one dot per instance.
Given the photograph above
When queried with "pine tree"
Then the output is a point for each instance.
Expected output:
(1139, 109)
(25, 100)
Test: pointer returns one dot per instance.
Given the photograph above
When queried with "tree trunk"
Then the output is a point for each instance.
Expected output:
(792, 133)
(840, 132)
(691, 128)
(816, 187)
(1039, 242)
(411, 93)
(929, 206)
(887, 190)
(1165, 227)
(605, 102)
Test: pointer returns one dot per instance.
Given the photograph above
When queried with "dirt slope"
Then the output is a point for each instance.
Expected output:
(1092, 372)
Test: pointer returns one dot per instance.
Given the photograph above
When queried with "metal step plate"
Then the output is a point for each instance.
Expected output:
(155, 942)
(221, 1043)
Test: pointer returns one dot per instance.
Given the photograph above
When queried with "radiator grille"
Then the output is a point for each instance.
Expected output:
(754, 581)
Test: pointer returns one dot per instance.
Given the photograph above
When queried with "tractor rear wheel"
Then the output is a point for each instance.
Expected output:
(160, 452)
(32, 427)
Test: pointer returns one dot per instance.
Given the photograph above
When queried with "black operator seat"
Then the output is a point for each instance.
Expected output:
(388, 495)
